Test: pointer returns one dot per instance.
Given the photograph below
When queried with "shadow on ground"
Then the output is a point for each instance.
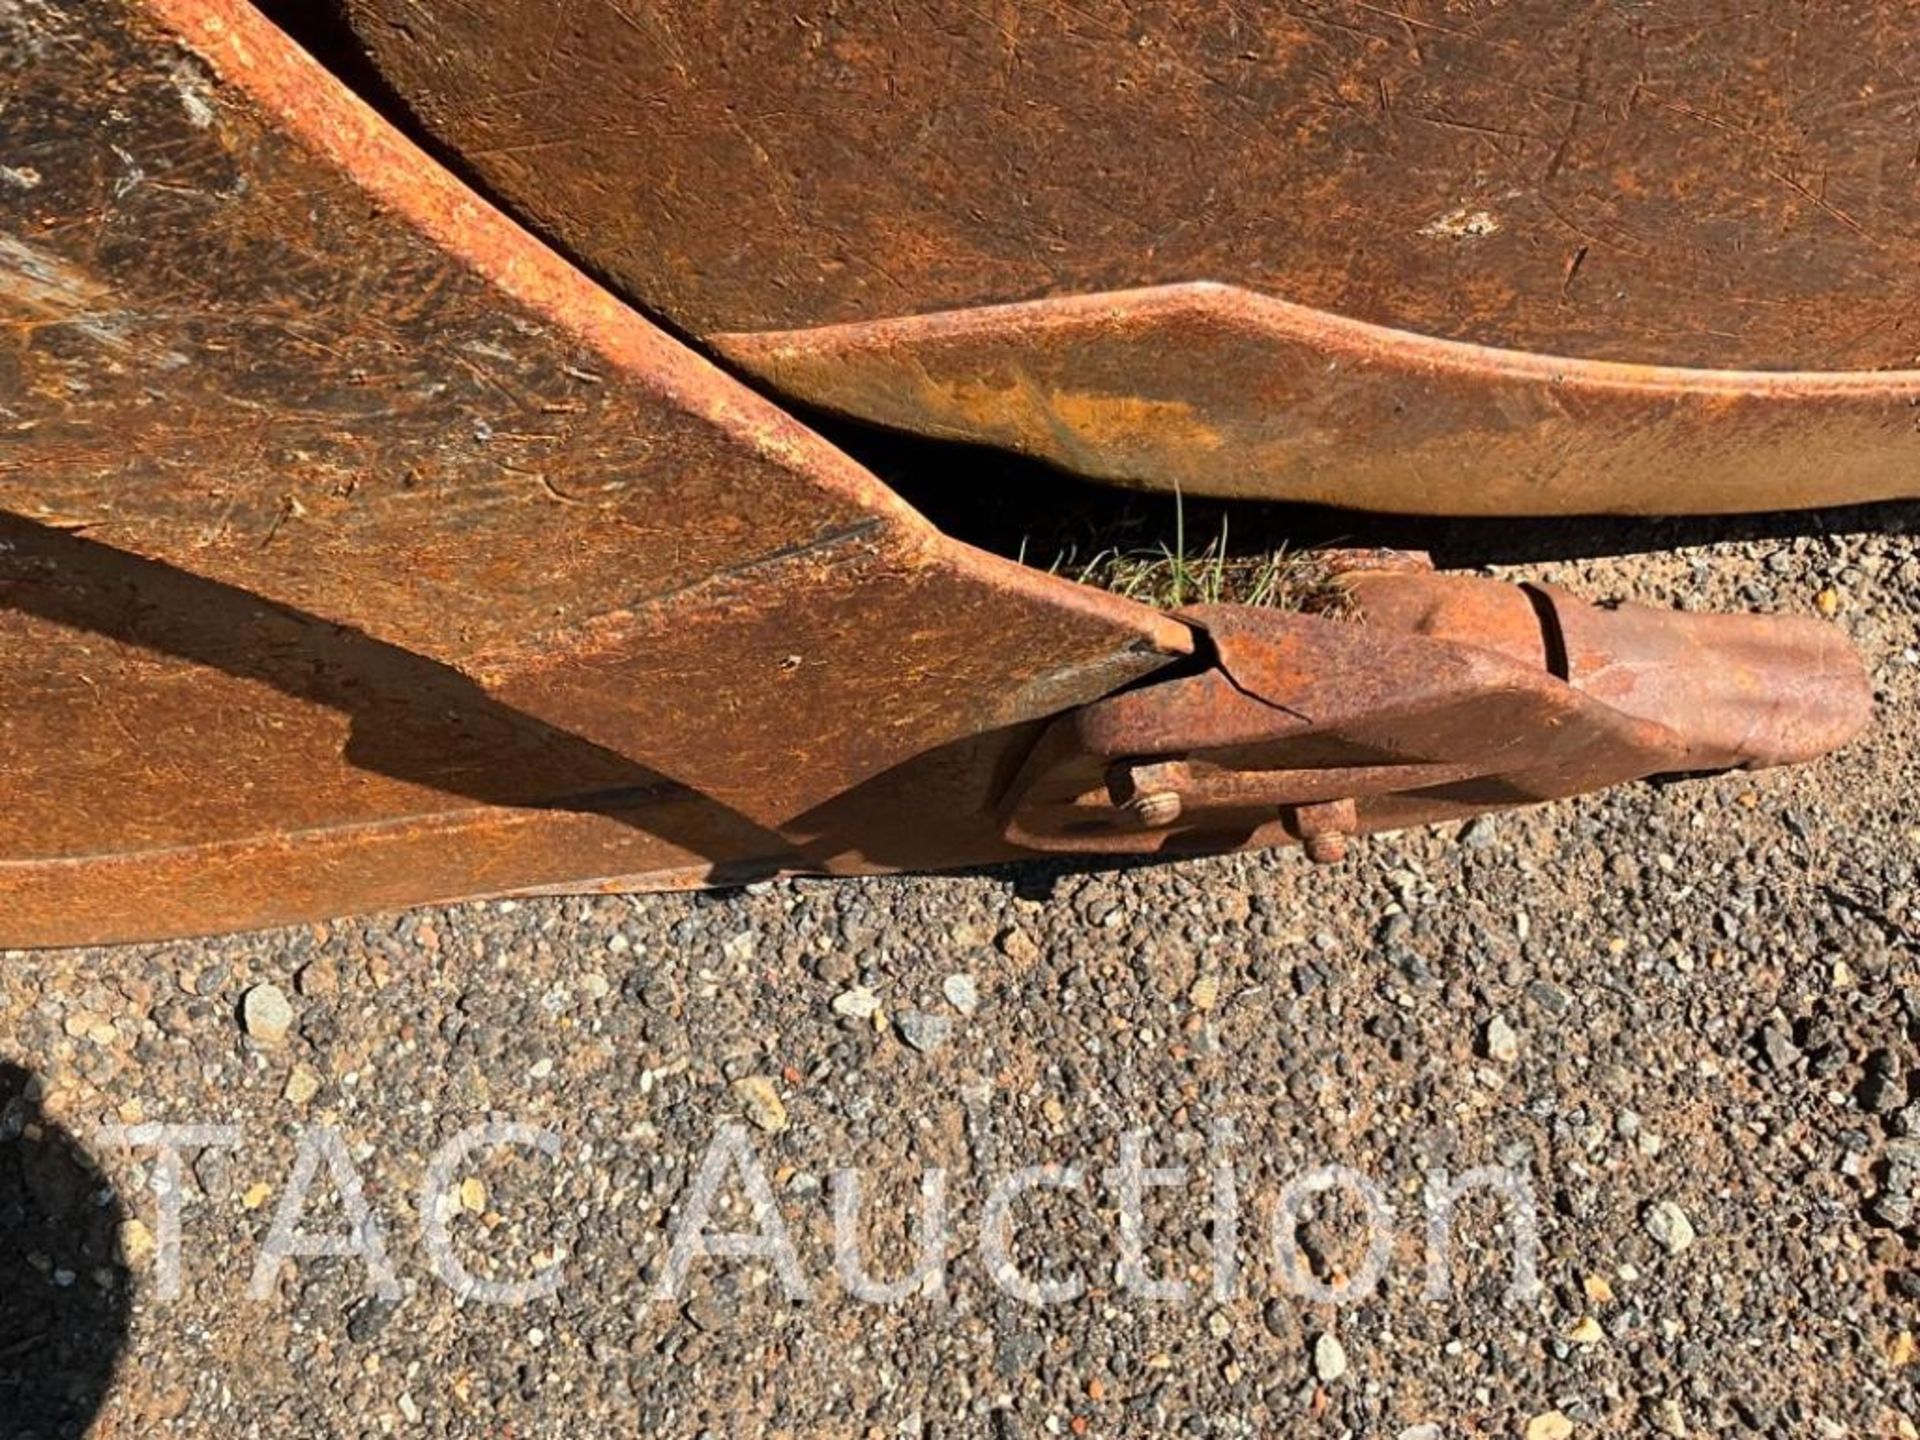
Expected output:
(64, 1294)
(1025, 509)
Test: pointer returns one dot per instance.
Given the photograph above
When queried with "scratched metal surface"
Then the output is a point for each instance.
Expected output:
(1692, 183)
(355, 551)
(1208, 390)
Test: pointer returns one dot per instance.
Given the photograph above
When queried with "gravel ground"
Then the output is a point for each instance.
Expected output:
(1684, 1016)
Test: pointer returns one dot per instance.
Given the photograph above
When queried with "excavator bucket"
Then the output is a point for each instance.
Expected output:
(1487, 257)
(358, 550)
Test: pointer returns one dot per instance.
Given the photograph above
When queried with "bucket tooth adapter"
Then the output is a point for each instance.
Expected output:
(357, 550)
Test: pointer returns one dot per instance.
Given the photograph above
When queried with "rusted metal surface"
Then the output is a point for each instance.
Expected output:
(1453, 696)
(1741, 691)
(1694, 194)
(1690, 183)
(356, 551)
(1223, 392)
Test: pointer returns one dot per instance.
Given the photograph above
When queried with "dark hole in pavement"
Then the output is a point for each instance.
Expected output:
(64, 1295)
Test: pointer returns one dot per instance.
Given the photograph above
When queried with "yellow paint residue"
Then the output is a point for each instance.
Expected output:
(1068, 423)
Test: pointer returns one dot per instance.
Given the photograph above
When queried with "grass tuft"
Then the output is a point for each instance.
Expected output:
(1170, 577)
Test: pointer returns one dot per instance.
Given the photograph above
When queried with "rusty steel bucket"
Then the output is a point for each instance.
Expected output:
(358, 549)
(1447, 256)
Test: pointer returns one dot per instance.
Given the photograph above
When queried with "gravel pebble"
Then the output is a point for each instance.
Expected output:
(761, 1100)
(1499, 1042)
(924, 1032)
(856, 1004)
(302, 1085)
(267, 1014)
(962, 992)
(1329, 1358)
(1670, 1225)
